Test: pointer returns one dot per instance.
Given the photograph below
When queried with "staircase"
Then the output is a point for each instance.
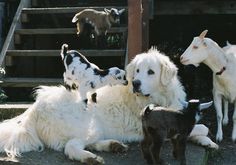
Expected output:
(31, 53)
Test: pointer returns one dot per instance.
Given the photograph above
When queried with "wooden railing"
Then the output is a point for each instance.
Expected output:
(16, 24)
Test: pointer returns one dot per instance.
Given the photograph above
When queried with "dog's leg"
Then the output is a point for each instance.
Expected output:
(74, 149)
(109, 145)
(204, 141)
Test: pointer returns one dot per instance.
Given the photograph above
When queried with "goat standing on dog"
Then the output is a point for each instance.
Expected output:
(205, 50)
(158, 122)
(85, 76)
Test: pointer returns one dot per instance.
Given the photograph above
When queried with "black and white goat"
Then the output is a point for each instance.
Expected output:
(159, 122)
(100, 20)
(85, 76)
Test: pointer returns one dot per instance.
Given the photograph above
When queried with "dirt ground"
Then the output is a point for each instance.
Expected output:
(132, 157)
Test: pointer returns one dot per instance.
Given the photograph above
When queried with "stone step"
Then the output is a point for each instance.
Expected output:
(56, 53)
(28, 82)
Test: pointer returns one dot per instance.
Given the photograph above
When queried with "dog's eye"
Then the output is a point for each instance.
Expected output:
(137, 70)
(150, 72)
(195, 47)
(119, 77)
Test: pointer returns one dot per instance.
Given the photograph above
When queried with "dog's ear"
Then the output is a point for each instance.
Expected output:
(168, 71)
(130, 70)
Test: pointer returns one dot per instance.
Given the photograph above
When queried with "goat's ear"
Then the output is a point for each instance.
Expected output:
(75, 18)
(184, 103)
(205, 105)
(203, 34)
(107, 10)
(121, 11)
(168, 71)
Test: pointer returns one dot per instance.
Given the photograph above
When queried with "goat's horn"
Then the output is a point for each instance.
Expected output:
(205, 105)
(203, 34)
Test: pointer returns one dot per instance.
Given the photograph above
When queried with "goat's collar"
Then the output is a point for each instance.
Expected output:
(221, 71)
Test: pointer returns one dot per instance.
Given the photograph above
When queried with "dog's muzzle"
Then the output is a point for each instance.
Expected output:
(136, 86)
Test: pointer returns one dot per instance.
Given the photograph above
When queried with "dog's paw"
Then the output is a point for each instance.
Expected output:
(118, 147)
(94, 161)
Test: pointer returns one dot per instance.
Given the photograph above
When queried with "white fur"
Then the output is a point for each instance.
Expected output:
(208, 52)
(57, 119)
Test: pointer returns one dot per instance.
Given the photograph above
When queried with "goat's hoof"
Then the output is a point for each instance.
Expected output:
(94, 161)
(174, 154)
(225, 122)
(219, 138)
(118, 147)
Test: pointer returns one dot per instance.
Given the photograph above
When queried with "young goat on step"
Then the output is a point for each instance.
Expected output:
(85, 76)
(159, 122)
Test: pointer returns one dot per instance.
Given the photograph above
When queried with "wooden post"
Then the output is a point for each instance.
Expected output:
(138, 27)
(134, 28)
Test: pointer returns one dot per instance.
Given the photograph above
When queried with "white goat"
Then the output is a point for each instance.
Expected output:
(222, 64)
(100, 20)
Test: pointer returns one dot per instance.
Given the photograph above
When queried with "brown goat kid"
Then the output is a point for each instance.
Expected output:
(159, 122)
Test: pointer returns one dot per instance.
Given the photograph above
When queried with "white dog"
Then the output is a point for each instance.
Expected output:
(56, 119)
(85, 76)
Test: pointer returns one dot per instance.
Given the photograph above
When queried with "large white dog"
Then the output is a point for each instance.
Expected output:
(57, 120)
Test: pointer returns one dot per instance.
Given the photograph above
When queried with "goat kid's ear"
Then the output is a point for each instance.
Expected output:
(205, 105)
(107, 10)
(64, 50)
(121, 11)
(203, 34)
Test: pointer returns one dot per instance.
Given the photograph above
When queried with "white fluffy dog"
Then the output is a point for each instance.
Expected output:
(56, 119)
(85, 76)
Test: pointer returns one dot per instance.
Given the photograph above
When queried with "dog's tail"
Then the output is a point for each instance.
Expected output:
(19, 134)
(64, 50)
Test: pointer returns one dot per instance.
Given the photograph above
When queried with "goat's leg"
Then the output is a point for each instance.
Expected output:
(175, 149)
(109, 145)
(145, 144)
(226, 108)
(74, 149)
(181, 147)
(219, 115)
(234, 124)
(155, 148)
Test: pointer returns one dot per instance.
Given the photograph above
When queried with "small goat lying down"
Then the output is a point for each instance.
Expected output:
(85, 76)
(159, 122)
(100, 20)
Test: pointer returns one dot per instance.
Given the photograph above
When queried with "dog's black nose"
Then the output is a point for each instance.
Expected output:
(136, 84)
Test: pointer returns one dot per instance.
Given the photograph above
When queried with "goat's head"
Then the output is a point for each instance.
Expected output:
(195, 106)
(197, 50)
(118, 76)
(114, 15)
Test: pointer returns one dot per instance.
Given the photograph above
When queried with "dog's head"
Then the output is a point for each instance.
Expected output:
(114, 15)
(147, 72)
(118, 76)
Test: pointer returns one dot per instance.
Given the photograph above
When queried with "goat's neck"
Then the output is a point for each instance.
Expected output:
(216, 58)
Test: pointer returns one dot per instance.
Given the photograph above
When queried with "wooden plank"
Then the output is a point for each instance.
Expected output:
(63, 10)
(56, 53)
(9, 42)
(62, 31)
(195, 7)
(29, 82)
(145, 25)
(134, 28)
